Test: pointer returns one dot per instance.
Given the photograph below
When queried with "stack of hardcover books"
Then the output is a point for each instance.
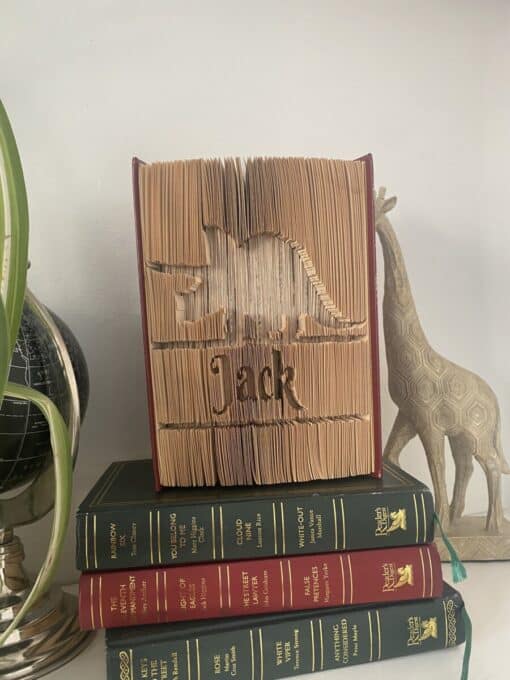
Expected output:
(295, 551)
(260, 582)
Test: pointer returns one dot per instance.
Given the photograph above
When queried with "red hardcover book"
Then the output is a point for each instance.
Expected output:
(142, 596)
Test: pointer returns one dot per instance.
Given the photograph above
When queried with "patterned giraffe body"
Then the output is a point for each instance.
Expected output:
(435, 397)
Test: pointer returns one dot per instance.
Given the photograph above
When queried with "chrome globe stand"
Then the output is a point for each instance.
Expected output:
(49, 636)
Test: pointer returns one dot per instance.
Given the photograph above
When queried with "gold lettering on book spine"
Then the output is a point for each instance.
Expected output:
(387, 520)
(395, 577)
(257, 293)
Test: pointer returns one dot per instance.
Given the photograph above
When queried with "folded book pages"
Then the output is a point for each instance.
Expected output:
(259, 310)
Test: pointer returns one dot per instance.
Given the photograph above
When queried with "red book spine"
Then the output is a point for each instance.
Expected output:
(145, 328)
(126, 598)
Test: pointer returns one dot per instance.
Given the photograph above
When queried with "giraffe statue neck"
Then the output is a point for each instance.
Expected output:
(400, 318)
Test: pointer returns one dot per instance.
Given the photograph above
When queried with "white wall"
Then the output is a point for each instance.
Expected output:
(422, 85)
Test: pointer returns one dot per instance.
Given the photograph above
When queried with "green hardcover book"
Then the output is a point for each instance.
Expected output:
(123, 523)
(279, 646)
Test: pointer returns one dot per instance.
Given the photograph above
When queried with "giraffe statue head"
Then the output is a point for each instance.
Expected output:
(396, 284)
(382, 206)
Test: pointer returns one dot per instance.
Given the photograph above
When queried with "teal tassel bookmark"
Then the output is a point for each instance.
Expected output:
(468, 629)
(459, 574)
(458, 569)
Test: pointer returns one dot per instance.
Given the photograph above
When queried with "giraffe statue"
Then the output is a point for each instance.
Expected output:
(435, 397)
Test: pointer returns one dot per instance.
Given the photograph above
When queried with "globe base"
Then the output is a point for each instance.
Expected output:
(49, 636)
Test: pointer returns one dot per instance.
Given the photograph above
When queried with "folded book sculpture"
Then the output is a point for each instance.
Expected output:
(259, 310)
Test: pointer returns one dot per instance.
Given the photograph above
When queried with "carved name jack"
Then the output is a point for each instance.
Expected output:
(271, 382)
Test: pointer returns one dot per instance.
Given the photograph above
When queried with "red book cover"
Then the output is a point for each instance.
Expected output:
(204, 591)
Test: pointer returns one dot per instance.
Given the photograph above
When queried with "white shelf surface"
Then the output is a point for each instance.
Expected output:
(487, 596)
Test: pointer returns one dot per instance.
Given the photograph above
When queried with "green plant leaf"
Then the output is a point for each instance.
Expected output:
(3, 216)
(5, 357)
(13, 274)
(60, 445)
(13, 229)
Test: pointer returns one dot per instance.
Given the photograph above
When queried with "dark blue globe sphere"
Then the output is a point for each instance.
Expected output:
(24, 434)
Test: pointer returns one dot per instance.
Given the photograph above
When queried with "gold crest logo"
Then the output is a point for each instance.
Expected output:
(387, 521)
(421, 629)
(397, 577)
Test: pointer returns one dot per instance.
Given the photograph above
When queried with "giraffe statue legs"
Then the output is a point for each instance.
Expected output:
(463, 471)
(493, 474)
(433, 443)
(401, 434)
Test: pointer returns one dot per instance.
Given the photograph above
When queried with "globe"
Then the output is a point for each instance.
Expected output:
(24, 434)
